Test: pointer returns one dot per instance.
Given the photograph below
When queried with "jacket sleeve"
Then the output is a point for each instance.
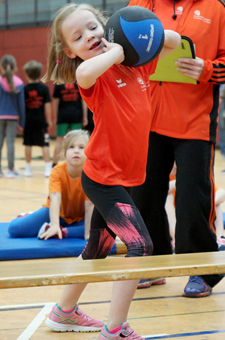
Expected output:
(214, 70)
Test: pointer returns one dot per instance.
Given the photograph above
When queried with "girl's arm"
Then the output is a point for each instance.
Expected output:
(90, 69)
(219, 196)
(48, 111)
(55, 108)
(85, 114)
(172, 186)
(171, 42)
(54, 211)
(88, 209)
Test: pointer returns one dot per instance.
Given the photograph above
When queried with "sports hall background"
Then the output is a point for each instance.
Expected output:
(25, 28)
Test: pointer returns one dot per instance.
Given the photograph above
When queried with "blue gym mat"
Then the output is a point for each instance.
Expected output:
(34, 248)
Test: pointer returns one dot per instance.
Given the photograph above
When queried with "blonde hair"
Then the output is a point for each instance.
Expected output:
(33, 69)
(8, 63)
(60, 68)
(70, 136)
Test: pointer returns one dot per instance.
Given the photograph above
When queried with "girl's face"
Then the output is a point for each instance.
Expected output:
(82, 33)
(75, 153)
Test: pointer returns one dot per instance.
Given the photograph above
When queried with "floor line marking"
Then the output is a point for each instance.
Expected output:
(26, 305)
(29, 331)
(180, 335)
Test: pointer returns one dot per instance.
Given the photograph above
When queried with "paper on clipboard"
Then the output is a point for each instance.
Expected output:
(166, 69)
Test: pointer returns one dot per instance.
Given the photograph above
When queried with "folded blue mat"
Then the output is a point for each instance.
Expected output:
(34, 248)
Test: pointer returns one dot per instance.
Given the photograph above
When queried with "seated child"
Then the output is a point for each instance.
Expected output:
(170, 209)
(66, 204)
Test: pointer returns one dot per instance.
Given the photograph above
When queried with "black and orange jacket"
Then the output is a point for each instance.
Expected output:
(189, 111)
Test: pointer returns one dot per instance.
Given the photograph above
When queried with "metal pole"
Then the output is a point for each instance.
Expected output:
(36, 12)
(6, 13)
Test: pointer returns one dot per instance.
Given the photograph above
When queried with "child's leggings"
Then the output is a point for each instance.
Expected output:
(29, 226)
(114, 215)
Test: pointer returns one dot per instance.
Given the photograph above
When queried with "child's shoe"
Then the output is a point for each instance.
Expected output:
(13, 174)
(48, 169)
(24, 214)
(126, 332)
(146, 283)
(27, 171)
(46, 226)
(1, 173)
(76, 321)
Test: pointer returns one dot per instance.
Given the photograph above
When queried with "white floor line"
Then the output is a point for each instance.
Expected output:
(25, 305)
(154, 335)
(29, 331)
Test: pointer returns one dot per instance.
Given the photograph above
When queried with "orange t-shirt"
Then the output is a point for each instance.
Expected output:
(73, 196)
(117, 149)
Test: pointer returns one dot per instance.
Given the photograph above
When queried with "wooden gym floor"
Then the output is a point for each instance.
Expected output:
(159, 312)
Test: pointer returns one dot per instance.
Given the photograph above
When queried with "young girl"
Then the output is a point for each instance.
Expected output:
(116, 153)
(12, 110)
(70, 113)
(66, 204)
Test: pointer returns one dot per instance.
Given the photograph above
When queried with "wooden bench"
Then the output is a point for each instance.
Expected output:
(60, 271)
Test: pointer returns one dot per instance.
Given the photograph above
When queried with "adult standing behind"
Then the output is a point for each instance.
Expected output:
(12, 110)
(184, 130)
(70, 113)
(222, 124)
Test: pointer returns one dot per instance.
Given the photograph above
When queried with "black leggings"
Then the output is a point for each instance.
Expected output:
(114, 215)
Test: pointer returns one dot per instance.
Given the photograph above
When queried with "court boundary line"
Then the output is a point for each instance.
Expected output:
(36, 322)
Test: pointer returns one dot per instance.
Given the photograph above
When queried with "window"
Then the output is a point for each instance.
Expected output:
(25, 13)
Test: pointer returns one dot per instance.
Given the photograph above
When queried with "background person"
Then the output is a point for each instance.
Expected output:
(12, 110)
(38, 116)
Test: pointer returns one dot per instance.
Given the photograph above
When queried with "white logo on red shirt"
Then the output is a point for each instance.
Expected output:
(121, 84)
(198, 16)
(179, 10)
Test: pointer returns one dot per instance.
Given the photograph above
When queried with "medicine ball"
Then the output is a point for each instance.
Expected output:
(139, 31)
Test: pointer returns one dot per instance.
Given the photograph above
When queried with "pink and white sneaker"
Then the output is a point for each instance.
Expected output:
(24, 214)
(46, 226)
(146, 283)
(126, 332)
(76, 321)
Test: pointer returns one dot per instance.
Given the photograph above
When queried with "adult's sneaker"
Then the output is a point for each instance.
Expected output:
(197, 287)
(126, 332)
(146, 283)
(76, 321)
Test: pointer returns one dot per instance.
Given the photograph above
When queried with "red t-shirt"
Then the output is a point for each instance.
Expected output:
(117, 149)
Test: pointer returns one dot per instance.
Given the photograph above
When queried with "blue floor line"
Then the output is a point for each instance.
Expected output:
(183, 335)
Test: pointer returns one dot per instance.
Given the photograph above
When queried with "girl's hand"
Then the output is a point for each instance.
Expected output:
(117, 48)
(52, 231)
(84, 122)
(20, 129)
(191, 67)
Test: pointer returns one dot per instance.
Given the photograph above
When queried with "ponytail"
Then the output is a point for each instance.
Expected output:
(8, 63)
(60, 68)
